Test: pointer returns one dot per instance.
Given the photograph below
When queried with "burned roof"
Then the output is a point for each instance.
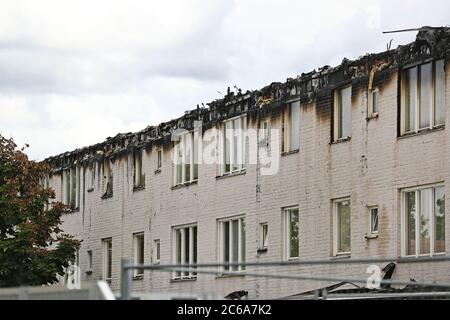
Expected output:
(366, 71)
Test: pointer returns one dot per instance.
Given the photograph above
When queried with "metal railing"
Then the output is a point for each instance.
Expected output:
(127, 269)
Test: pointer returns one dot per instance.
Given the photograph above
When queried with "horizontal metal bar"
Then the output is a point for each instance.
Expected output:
(304, 277)
(333, 260)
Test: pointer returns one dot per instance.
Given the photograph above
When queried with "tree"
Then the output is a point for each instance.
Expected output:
(33, 248)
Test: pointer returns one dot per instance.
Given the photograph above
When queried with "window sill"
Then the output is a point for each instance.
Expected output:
(90, 189)
(184, 185)
(287, 153)
(70, 210)
(139, 188)
(262, 251)
(341, 140)
(372, 116)
(236, 274)
(233, 174)
(88, 273)
(183, 280)
(343, 256)
(139, 277)
(422, 131)
(157, 171)
(106, 196)
(371, 236)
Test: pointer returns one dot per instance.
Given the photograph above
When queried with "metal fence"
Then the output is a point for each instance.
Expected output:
(416, 289)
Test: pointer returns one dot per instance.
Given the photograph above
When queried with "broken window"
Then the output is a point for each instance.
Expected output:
(424, 221)
(89, 254)
(373, 101)
(232, 243)
(107, 259)
(159, 160)
(291, 233)
(234, 150)
(71, 186)
(342, 113)
(372, 229)
(291, 127)
(422, 99)
(156, 251)
(342, 227)
(138, 255)
(186, 159)
(107, 178)
(264, 132)
(92, 171)
(185, 250)
(138, 175)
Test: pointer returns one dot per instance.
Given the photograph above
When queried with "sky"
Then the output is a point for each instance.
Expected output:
(73, 73)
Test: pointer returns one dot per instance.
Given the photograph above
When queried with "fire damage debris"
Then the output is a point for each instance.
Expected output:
(349, 290)
(365, 72)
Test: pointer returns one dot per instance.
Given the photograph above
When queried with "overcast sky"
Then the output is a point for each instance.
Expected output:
(75, 72)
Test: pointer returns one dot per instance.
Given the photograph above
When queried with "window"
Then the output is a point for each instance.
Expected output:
(342, 113)
(342, 231)
(422, 99)
(233, 151)
(71, 185)
(92, 171)
(107, 259)
(89, 254)
(185, 250)
(423, 221)
(291, 127)
(185, 162)
(232, 243)
(263, 232)
(291, 233)
(138, 248)
(264, 132)
(159, 160)
(107, 178)
(373, 101)
(372, 229)
(156, 251)
(138, 175)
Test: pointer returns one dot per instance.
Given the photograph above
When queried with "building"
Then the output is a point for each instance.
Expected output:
(361, 169)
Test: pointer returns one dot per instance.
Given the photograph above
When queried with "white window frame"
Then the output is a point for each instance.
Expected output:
(181, 159)
(371, 104)
(136, 247)
(191, 274)
(106, 252)
(263, 235)
(336, 227)
(138, 174)
(404, 224)
(157, 251)
(417, 98)
(241, 243)
(370, 226)
(71, 186)
(288, 132)
(264, 132)
(337, 117)
(227, 139)
(287, 212)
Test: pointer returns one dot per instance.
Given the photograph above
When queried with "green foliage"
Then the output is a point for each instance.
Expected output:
(33, 248)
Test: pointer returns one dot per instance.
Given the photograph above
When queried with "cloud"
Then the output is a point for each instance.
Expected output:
(74, 72)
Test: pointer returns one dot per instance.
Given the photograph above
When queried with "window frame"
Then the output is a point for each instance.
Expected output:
(432, 226)
(156, 251)
(107, 257)
(418, 91)
(193, 256)
(263, 236)
(287, 220)
(138, 169)
(336, 227)
(136, 248)
(181, 146)
(241, 243)
(241, 146)
(338, 116)
(287, 127)
(71, 186)
(371, 113)
(371, 233)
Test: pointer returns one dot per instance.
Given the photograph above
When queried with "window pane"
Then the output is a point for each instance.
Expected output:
(293, 230)
(410, 99)
(178, 250)
(425, 94)
(227, 142)
(236, 144)
(411, 221)
(158, 250)
(439, 106)
(186, 249)
(346, 116)
(235, 243)
(179, 164)
(295, 125)
(187, 156)
(424, 220)
(243, 242)
(439, 219)
(375, 94)
(195, 247)
(226, 243)
(195, 151)
(344, 226)
(374, 220)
